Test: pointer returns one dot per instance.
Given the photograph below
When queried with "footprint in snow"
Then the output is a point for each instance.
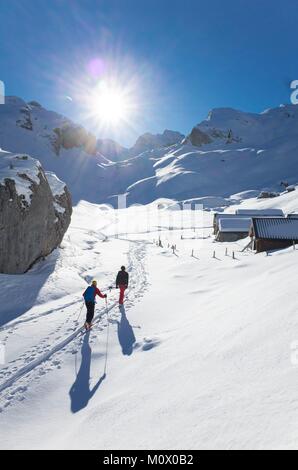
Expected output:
(148, 343)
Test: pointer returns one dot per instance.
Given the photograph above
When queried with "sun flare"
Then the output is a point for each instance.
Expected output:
(111, 104)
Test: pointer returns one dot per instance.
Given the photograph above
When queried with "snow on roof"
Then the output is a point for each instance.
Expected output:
(225, 215)
(235, 224)
(260, 212)
(278, 229)
(21, 169)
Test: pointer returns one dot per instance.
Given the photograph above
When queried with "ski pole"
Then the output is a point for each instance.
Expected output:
(80, 312)
(107, 341)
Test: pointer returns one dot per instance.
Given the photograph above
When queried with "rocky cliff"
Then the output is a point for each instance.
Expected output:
(35, 212)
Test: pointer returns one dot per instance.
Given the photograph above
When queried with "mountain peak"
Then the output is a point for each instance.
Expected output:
(149, 141)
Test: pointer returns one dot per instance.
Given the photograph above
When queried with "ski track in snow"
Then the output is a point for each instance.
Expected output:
(42, 358)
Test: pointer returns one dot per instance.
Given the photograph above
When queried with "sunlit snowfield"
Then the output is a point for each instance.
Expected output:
(201, 358)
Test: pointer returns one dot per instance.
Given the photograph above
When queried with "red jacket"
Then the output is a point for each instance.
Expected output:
(97, 292)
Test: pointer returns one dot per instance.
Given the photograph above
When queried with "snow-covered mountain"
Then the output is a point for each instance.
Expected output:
(62, 147)
(75, 155)
(229, 152)
(230, 126)
(115, 152)
(112, 150)
(150, 141)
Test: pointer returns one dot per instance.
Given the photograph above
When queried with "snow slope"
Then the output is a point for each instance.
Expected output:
(203, 356)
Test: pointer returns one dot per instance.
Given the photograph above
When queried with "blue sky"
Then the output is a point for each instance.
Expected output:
(180, 58)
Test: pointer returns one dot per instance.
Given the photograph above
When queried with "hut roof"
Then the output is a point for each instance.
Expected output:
(225, 215)
(236, 225)
(275, 229)
(260, 212)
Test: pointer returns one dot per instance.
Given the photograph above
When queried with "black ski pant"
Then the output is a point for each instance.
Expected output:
(90, 310)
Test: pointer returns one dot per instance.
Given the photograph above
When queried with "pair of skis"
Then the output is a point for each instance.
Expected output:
(89, 326)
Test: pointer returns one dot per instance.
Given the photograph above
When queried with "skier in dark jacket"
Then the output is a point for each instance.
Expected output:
(89, 295)
(122, 282)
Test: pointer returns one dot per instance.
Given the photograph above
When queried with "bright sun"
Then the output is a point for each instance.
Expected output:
(110, 104)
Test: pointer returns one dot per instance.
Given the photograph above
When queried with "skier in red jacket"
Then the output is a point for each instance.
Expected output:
(89, 295)
(122, 282)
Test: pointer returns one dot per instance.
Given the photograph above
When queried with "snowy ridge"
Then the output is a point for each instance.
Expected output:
(57, 186)
(234, 152)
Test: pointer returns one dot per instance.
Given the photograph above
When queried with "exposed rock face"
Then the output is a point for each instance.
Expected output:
(70, 136)
(198, 138)
(150, 141)
(33, 216)
(25, 120)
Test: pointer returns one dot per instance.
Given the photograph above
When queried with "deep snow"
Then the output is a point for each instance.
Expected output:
(203, 356)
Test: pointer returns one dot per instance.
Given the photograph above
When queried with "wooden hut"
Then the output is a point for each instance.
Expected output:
(233, 229)
(245, 213)
(221, 216)
(273, 233)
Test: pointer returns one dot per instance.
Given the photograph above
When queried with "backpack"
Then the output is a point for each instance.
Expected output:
(89, 294)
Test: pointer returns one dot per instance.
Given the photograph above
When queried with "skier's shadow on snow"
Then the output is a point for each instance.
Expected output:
(80, 392)
(125, 334)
